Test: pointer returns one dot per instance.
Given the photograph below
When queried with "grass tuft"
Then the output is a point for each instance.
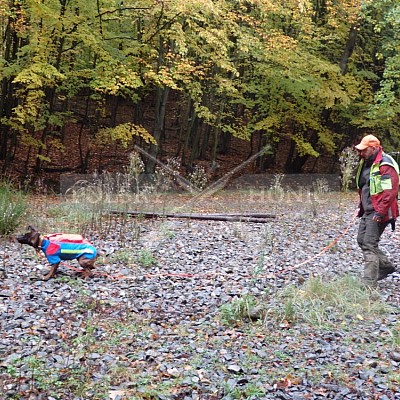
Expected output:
(325, 303)
(12, 208)
(238, 309)
(319, 303)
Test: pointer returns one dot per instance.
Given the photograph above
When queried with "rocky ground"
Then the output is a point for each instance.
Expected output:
(154, 321)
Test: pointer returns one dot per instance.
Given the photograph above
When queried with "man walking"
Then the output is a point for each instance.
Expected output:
(377, 182)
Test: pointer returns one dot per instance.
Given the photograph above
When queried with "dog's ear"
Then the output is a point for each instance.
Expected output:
(32, 228)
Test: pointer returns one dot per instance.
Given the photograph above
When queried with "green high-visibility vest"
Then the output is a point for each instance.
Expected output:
(376, 183)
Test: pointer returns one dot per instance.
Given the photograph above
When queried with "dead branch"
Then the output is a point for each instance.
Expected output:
(232, 217)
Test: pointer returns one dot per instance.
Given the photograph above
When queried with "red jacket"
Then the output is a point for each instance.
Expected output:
(384, 186)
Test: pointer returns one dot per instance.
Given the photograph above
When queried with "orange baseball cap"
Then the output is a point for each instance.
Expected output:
(368, 141)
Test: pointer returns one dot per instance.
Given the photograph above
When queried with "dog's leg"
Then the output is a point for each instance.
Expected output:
(87, 265)
(52, 272)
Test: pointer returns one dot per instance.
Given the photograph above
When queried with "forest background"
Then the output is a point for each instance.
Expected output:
(203, 82)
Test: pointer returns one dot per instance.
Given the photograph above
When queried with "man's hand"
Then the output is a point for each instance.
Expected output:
(377, 217)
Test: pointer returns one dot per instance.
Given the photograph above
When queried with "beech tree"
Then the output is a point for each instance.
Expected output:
(381, 54)
(65, 48)
(303, 76)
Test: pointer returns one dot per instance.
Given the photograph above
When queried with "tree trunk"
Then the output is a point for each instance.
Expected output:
(83, 158)
(204, 142)
(231, 217)
(225, 142)
(114, 110)
(295, 166)
(51, 91)
(214, 146)
(182, 121)
(51, 101)
(159, 114)
(195, 143)
(266, 160)
(295, 162)
(189, 130)
(7, 100)
(348, 50)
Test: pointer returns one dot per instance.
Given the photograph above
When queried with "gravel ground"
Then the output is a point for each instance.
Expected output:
(148, 325)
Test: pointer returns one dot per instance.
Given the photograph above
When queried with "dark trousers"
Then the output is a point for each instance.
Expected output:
(369, 233)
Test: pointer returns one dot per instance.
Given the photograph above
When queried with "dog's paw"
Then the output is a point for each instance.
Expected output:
(47, 276)
(87, 273)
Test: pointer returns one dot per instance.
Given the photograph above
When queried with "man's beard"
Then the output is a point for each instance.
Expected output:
(369, 160)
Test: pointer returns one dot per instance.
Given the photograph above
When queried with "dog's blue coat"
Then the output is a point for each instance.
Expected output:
(58, 251)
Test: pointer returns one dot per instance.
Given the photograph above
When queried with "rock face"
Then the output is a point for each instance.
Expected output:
(148, 325)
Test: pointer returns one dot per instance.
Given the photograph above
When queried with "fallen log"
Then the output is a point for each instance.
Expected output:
(232, 217)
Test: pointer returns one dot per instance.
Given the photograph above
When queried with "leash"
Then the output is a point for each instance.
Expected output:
(96, 273)
(214, 274)
(331, 244)
(271, 274)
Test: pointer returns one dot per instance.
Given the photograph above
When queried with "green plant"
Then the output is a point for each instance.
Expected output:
(321, 186)
(238, 309)
(39, 374)
(348, 160)
(75, 215)
(125, 255)
(247, 391)
(395, 337)
(167, 174)
(12, 370)
(88, 338)
(166, 231)
(12, 208)
(70, 281)
(198, 177)
(276, 185)
(146, 258)
(144, 385)
(33, 371)
(122, 332)
(394, 377)
(85, 302)
(324, 303)
(134, 170)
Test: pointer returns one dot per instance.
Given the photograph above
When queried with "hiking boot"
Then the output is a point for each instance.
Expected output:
(384, 273)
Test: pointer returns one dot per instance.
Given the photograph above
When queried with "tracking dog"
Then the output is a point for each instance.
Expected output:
(58, 247)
